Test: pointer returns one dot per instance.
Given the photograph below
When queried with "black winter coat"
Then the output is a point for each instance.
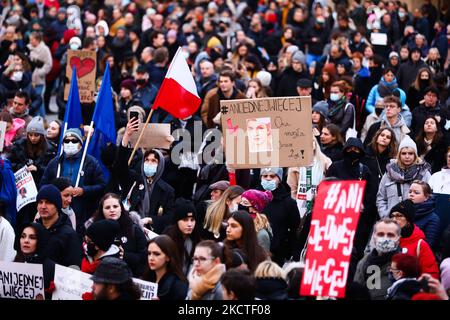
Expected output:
(376, 163)
(333, 152)
(284, 219)
(287, 86)
(64, 246)
(407, 73)
(161, 197)
(170, 287)
(135, 250)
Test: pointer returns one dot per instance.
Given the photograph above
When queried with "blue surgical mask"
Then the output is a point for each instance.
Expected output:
(149, 170)
(269, 185)
(401, 14)
(334, 96)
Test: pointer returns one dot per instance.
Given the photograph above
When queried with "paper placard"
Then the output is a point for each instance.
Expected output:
(70, 284)
(156, 135)
(86, 63)
(379, 39)
(149, 290)
(267, 132)
(26, 188)
(23, 281)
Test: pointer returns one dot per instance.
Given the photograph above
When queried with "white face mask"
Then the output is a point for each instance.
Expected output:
(334, 96)
(73, 46)
(17, 76)
(70, 148)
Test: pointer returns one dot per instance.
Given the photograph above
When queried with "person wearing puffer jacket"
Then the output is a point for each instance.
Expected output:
(400, 173)
(426, 218)
(386, 87)
(412, 239)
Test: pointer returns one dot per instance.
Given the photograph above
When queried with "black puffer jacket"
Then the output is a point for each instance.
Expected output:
(271, 289)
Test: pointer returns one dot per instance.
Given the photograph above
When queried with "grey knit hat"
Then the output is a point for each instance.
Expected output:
(299, 56)
(36, 125)
(74, 132)
(321, 107)
(277, 171)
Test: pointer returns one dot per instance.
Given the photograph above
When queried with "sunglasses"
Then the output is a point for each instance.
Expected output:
(70, 140)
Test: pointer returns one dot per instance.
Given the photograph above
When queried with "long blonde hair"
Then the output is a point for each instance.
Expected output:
(261, 222)
(218, 210)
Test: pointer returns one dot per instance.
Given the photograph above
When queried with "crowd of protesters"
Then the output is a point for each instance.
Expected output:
(204, 231)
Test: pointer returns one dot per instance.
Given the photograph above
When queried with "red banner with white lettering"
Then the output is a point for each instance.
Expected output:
(330, 242)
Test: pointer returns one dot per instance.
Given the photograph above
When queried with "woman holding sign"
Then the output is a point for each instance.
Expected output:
(165, 269)
(33, 249)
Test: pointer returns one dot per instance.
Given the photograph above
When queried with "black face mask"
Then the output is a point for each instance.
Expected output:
(141, 82)
(378, 111)
(243, 208)
(424, 83)
(91, 249)
(352, 157)
(222, 29)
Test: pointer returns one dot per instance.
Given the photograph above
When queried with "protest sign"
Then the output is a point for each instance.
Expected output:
(334, 220)
(267, 132)
(26, 188)
(21, 281)
(149, 290)
(86, 63)
(156, 135)
(70, 284)
(2, 134)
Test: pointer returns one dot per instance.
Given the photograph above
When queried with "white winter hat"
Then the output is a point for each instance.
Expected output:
(292, 49)
(265, 78)
(104, 25)
(407, 142)
(75, 40)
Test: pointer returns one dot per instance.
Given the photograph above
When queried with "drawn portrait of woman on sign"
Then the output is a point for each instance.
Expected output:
(259, 133)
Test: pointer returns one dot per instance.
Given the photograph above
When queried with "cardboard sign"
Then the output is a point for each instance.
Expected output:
(334, 220)
(86, 64)
(70, 284)
(267, 132)
(156, 135)
(2, 134)
(23, 281)
(149, 290)
(26, 188)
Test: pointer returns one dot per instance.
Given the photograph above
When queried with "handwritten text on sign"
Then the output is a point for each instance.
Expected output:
(335, 217)
(21, 280)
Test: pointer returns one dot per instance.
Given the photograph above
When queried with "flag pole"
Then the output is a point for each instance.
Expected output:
(136, 145)
(61, 149)
(86, 145)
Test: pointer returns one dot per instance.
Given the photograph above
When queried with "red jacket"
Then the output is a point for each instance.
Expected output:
(426, 257)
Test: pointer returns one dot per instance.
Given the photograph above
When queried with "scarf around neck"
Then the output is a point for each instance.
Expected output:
(200, 285)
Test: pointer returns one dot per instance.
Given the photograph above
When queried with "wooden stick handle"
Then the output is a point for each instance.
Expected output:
(136, 145)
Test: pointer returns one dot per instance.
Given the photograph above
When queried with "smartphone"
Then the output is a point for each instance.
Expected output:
(424, 284)
(134, 114)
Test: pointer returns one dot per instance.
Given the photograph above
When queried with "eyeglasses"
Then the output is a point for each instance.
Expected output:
(389, 269)
(397, 216)
(70, 140)
(200, 259)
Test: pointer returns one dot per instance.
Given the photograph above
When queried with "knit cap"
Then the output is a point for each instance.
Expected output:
(74, 132)
(183, 208)
(258, 199)
(321, 107)
(407, 142)
(36, 125)
(299, 56)
(112, 270)
(406, 208)
(50, 193)
(277, 171)
(103, 233)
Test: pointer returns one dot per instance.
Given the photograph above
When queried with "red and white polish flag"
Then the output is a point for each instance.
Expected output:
(178, 93)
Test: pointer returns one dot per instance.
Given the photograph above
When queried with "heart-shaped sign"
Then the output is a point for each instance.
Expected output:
(84, 66)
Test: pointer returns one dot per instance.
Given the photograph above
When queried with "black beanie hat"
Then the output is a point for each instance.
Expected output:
(183, 208)
(50, 193)
(406, 208)
(103, 233)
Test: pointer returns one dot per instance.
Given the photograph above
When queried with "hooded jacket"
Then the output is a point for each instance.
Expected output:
(284, 219)
(416, 245)
(63, 246)
(400, 129)
(428, 221)
(155, 199)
